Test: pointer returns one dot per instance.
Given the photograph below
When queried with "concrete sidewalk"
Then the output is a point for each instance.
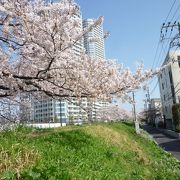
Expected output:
(168, 143)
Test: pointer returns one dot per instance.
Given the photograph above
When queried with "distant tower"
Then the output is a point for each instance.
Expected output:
(94, 49)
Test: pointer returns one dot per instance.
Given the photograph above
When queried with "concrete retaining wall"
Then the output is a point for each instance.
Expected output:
(171, 133)
(46, 125)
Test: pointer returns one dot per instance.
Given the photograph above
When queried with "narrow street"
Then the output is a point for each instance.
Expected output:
(168, 143)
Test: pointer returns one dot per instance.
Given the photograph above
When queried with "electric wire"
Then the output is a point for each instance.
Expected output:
(163, 49)
(170, 11)
(178, 7)
(152, 91)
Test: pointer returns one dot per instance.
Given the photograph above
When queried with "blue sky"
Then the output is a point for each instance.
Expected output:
(134, 27)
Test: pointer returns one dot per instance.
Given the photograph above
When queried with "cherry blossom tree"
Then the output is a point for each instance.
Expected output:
(37, 56)
(114, 113)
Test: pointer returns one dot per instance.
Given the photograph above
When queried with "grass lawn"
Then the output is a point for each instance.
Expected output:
(98, 151)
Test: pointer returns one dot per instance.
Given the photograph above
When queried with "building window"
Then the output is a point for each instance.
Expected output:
(178, 58)
(162, 85)
(60, 114)
(164, 98)
(166, 109)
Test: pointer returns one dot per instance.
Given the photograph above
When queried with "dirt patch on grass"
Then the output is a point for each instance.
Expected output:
(17, 158)
(119, 139)
(38, 133)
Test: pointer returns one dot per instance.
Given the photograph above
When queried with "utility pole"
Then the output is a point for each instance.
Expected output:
(170, 25)
(148, 105)
(135, 116)
(174, 42)
(145, 108)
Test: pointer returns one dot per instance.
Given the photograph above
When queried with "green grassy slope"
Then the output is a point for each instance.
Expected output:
(101, 151)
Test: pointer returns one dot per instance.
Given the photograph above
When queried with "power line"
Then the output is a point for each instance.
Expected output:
(175, 12)
(171, 41)
(156, 54)
(154, 88)
(170, 10)
(178, 18)
(161, 54)
(157, 62)
(157, 57)
(165, 47)
(152, 79)
(169, 95)
(162, 51)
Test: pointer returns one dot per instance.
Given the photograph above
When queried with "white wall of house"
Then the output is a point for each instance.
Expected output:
(169, 83)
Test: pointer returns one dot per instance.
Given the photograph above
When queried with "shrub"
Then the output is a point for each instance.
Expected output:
(176, 114)
(178, 129)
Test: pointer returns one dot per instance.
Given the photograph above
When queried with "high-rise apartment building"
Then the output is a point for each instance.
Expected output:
(94, 40)
(95, 48)
(169, 85)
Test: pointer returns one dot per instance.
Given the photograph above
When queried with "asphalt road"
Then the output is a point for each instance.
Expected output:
(168, 143)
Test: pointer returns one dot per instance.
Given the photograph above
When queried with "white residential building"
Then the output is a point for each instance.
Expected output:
(77, 110)
(96, 106)
(47, 109)
(155, 103)
(94, 48)
(154, 111)
(169, 85)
